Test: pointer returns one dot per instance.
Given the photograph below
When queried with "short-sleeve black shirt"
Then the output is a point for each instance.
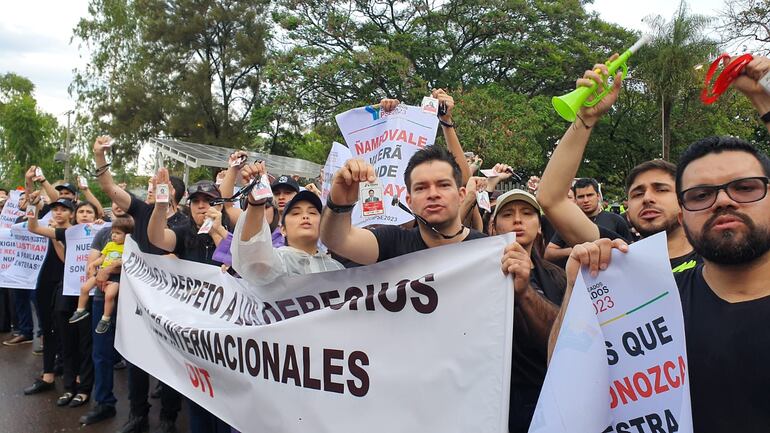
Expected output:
(393, 241)
(141, 212)
(605, 220)
(728, 351)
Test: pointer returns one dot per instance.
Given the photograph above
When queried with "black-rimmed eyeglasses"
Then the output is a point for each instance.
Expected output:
(746, 190)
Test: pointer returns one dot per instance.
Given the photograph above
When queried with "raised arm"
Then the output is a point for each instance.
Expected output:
(567, 218)
(91, 198)
(33, 225)
(450, 133)
(748, 84)
(157, 231)
(30, 177)
(337, 231)
(103, 175)
(228, 182)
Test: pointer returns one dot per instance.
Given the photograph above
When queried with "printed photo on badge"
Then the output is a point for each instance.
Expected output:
(262, 189)
(372, 202)
(161, 193)
(429, 105)
(482, 198)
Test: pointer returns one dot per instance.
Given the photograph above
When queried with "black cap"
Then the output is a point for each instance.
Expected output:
(284, 180)
(205, 187)
(304, 195)
(68, 186)
(64, 202)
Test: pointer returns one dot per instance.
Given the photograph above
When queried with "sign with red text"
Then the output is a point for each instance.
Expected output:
(420, 343)
(29, 252)
(387, 140)
(620, 363)
(11, 210)
(7, 250)
(79, 240)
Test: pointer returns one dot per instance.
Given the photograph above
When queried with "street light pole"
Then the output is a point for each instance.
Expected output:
(67, 149)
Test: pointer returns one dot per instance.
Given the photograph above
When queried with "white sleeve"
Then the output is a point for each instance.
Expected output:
(255, 260)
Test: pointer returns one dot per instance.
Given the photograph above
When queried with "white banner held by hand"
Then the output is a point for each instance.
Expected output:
(391, 347)
(79, 240)
(620, 363)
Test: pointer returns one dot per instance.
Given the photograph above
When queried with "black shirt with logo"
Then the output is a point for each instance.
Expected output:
(728, 351)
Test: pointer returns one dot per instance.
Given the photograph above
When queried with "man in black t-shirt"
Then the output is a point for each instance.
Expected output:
(587, 197)
(722, 186)
(434, 193)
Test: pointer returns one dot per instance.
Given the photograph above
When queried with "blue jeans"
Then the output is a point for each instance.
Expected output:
(103, 355)
(22, 304)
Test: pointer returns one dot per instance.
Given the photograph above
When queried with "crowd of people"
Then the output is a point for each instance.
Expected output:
(712, 206)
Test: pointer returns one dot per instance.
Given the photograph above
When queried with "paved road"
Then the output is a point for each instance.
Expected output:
(39, 413)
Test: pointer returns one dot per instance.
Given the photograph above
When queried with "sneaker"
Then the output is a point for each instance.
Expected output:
(135, 424)
(120, 365)
(103, 326)
(166, 426)
(38, 351)
(77, 316)
(98, 413)
(19, 339)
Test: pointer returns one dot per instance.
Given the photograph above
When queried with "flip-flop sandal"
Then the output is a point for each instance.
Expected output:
(79, 400)
(65, 399)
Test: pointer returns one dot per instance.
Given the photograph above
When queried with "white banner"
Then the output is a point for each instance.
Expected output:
(79, 240)
(338, 155)
(421, 343)
(624, 333)
(11, 210)
(29, 253)
(7, 251)
(387, 140)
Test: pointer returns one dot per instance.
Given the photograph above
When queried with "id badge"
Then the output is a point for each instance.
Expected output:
(31, 211)
(482, 198)
(238, 162)
(82, 182)
(371, 199)
(262, 189)
(161, 193)
(38, 172)
(429, 105)
(208, 223)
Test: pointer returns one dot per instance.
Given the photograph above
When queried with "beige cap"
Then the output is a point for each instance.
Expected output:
(516, 195)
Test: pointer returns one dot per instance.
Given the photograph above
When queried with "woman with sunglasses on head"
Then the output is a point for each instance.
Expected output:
(75, 338)
(195, 242)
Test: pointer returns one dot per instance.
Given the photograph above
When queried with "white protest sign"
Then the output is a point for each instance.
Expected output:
(11, 210)
(620, 363)
(79, 240)
(30, 250)
(420, 343)
(387, 140)
(338, 155)
(7, 250)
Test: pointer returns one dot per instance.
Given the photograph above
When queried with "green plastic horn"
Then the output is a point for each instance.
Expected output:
(568, 105)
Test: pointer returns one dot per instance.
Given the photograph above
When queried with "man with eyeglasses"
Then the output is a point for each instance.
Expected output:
(722, 188)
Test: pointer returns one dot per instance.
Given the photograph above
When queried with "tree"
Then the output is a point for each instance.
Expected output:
(347, 54)
(31, 137)
(667, 68)
(746, 21)
(183, 68)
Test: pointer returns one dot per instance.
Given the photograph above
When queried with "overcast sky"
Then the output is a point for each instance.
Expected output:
(35, 39)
